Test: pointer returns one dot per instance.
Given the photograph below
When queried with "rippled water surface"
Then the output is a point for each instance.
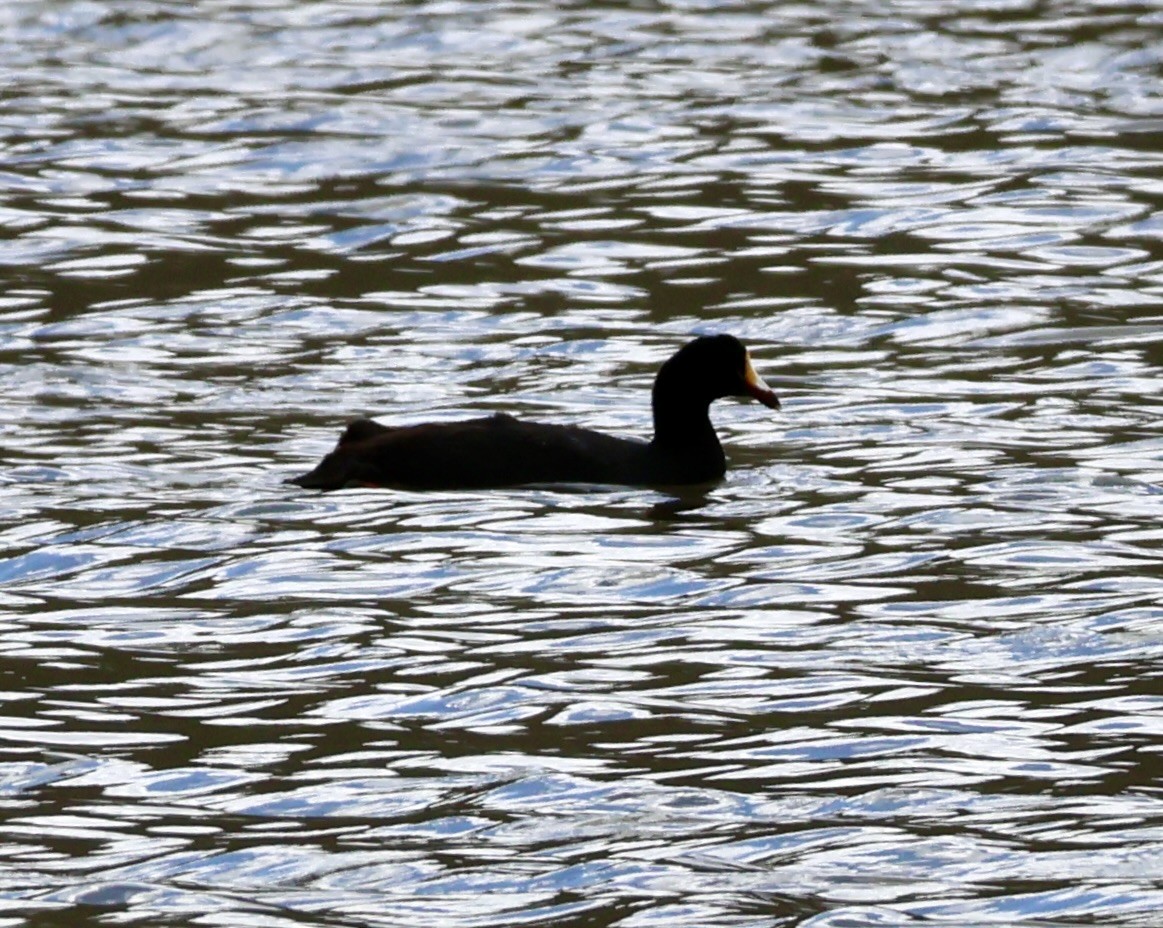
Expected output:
(902, 667)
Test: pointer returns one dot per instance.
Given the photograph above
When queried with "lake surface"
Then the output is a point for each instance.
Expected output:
(903, 666)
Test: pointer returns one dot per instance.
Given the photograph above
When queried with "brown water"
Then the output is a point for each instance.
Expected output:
(901, 667)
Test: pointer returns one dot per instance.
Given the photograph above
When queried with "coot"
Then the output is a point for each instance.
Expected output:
(499, 450)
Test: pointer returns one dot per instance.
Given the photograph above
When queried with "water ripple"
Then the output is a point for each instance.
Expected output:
(901, 666)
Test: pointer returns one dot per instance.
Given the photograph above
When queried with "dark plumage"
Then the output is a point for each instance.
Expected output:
(500, 450)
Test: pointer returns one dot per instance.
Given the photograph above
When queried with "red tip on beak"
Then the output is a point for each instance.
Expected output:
(756, 387)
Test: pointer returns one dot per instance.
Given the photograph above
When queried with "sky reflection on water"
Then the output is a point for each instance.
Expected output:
(902, 666)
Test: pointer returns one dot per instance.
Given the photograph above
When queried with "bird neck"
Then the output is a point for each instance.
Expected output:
(682, 420)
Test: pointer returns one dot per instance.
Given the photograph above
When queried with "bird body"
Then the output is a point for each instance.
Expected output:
(500, 450)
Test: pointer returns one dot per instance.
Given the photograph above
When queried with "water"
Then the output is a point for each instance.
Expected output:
(901, 667)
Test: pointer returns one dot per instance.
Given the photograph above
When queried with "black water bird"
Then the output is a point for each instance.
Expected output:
(499, 450)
